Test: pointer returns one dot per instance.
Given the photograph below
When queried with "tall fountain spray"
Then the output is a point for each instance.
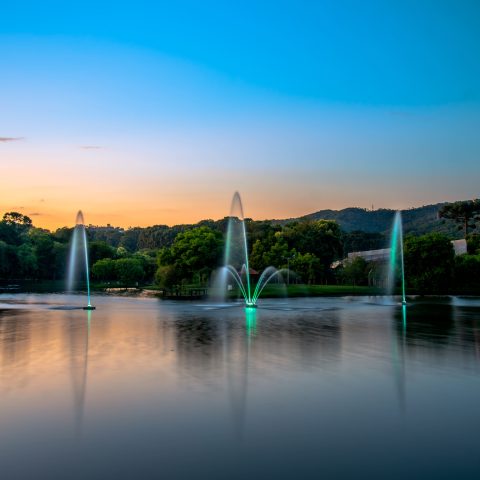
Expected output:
(236, 264)
(79, 235)
(396, 256)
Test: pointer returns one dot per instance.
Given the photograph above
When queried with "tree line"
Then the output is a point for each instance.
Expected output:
(188, 254)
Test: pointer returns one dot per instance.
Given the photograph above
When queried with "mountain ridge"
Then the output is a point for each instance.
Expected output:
(416, 220)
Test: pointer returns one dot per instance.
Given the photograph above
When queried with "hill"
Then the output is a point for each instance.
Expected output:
(375, 223)
(417, 221)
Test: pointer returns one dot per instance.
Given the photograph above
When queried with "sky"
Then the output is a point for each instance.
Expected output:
(143, 113)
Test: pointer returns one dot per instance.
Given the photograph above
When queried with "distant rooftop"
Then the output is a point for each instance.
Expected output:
(383, 254)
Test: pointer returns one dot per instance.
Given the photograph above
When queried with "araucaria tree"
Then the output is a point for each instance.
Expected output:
(464, 213)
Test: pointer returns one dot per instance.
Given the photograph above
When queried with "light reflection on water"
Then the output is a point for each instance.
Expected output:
(141, 387)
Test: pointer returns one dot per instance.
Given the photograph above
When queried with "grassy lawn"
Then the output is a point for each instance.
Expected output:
(274, 291)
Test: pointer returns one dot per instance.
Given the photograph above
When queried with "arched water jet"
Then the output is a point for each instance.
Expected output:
(236, 263)
(267, 275)
(79, 235)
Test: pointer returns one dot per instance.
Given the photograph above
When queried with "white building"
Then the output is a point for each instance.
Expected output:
(460, 246)
(383, 254)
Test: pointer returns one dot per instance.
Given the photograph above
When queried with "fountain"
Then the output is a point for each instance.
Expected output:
(79, 235)
(396, 254)
(250, 322)
(236, 264)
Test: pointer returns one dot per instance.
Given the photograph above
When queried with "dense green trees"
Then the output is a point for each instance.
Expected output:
(355, 272)
(104, 269)
(358, 241)
(473, 244)
(307, 267)
(27, 263)
(467, 273)
(188, 254)
(166, 276)
(126, 269)
(429, 263)
(320, 238)
(272, 250)
(307, 247)
(98, 250)
(129, 270)
(7, 256)
(33, 253)
(29, 252)
(13, 228)
(192, 257)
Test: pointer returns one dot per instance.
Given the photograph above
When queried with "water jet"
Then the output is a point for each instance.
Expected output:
(236, 262)
(79, 236)
(396, 257)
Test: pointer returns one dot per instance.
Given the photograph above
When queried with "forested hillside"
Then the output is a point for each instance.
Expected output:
(417, 221)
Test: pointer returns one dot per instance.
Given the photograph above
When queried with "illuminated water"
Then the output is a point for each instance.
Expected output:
(236, 265)
(396, 256)
(76, 254)
(308, 388)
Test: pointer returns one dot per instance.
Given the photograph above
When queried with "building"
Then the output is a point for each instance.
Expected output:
(460, 246)
(383, 254)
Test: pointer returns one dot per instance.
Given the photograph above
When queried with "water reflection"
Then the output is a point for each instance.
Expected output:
(79, 336)
(398, 358)
(251, 321)
(15, 332)
(431, 323)
(327, 379)
(15, 335)
(237, 365)
(198, 345)
(440, 333)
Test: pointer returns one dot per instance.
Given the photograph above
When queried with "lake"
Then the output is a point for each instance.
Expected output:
(301, 388)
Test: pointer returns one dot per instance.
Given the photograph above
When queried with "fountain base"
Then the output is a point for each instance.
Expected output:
(251, 305)
(89, 307)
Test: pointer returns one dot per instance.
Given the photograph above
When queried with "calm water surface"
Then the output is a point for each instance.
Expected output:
(304, 388)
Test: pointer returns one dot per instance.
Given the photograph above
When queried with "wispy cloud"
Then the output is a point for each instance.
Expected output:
(91, 147)
(35, 214)
(11, 139)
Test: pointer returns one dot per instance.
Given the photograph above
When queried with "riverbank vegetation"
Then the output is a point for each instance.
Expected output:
(187, 255)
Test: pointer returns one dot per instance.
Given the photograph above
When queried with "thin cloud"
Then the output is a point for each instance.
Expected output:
(11, 139)
(35, 214)
(91, 147)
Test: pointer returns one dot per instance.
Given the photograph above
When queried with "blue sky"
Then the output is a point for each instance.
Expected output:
(300, 105)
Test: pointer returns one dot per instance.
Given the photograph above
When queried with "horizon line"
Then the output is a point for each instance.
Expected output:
(172, 225)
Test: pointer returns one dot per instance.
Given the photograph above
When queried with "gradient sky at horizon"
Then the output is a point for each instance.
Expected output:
(142, 113)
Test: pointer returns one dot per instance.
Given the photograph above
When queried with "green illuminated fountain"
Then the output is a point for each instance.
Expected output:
(79, 236)
(236, 264)
(251, 322)
(396, 257)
